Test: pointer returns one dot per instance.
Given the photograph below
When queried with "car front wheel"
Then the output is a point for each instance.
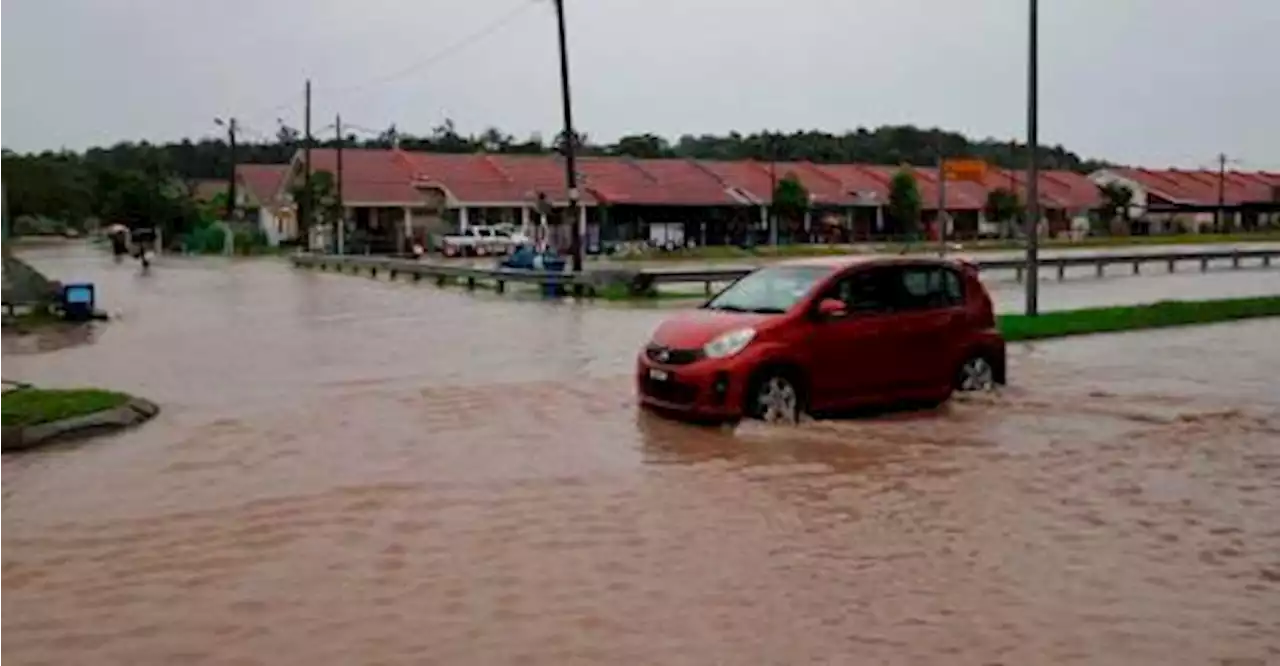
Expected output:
(776, 399)
(976, 374)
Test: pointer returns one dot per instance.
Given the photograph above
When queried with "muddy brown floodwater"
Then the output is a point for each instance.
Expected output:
(356, 472)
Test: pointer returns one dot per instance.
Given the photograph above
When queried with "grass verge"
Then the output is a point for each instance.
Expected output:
(1134, 317)
(620, 292)
(32, 406)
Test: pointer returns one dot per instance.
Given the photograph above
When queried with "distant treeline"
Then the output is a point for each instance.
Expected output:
(74, 186)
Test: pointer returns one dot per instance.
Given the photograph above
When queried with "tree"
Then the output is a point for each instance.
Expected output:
(904, 203)
(1116, 201)
(790, 203)
(445, 138)
(642, 145)
(580, 144)
(1002, 206)
(324, 196)
(288, 136)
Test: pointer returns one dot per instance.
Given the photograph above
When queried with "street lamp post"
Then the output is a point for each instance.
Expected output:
(569, 145)
(1033, 164)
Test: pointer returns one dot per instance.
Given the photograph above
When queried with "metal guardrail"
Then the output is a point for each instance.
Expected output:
(1136, 260)
(649, 277)
(441, 273)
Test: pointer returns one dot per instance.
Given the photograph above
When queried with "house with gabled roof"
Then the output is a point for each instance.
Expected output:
(396, 197)
(1177, 200)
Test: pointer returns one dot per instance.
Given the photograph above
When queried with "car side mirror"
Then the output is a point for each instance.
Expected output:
(831, 308)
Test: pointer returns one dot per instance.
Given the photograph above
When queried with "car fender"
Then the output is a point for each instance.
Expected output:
(758, 356)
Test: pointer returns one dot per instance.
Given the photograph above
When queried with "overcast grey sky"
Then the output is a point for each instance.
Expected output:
(1154, 82)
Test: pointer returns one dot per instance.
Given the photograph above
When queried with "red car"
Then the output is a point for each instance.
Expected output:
(825, 335)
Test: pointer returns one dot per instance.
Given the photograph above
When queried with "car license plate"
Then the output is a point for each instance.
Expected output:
(658, 375)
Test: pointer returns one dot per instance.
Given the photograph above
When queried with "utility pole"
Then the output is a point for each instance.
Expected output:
(1033, 164)
(570, 139)
(231, 186)
(341, 231)
(1220, 215)
(4, 235)
(942, 204)
(304, 206)
(773, 189)
(4, 198)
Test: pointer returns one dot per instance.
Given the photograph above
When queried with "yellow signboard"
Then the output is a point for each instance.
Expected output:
(971, 170)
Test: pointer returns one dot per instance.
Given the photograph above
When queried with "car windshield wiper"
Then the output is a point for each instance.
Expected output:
(766, 310)
(728, 308)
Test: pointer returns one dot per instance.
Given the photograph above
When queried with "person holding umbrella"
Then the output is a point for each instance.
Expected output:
(118, 234)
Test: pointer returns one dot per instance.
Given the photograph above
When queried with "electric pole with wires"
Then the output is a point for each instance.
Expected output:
(1220, 214)
(232, 199)
(1033, 164)
(341, 223)
(570, 139)
(304, 206)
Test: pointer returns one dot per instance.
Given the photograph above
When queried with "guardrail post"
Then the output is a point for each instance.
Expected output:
(391, 273)
(501, 286)
(1137, 267)
(707, 287)
(471, 282)
(373, 271)
(1101, 268)
(1204, 264)
(440, 279)
(1017, 274)
(1172, 265)
(1062, 271)
(1266, 260)
(1235, 260)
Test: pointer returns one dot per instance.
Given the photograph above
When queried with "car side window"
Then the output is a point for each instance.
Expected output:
(928, 287)
(864, 291)
(953, 287)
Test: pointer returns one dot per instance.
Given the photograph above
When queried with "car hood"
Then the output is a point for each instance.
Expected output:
(694, 329)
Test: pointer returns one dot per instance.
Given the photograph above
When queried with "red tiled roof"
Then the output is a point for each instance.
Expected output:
(262, 180)
(394, 176)
(1201, 187)
(670, 182)
(369, 176)
(491, 179)
(1058, 188)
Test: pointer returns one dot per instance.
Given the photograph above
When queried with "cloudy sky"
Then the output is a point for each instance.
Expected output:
(1154, 82)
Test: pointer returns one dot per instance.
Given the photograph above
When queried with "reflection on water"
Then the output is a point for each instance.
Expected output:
(351, 471)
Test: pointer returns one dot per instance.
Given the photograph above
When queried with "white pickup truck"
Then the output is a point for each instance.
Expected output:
(479, 241)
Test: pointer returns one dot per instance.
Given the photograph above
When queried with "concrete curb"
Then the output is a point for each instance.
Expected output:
(133, 412)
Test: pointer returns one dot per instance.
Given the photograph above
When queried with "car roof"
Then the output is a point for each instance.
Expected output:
(841, 262)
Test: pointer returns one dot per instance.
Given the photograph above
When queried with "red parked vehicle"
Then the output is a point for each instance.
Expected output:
(815, 336)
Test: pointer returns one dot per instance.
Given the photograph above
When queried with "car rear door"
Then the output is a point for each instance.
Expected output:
(851, 357)
(929, 302)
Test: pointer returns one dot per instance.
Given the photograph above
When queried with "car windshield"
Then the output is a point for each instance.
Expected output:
(769, 290)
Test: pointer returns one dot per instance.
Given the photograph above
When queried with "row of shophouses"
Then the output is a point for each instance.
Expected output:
(396, 198)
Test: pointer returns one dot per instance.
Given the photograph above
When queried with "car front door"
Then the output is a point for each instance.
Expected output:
(851, 356)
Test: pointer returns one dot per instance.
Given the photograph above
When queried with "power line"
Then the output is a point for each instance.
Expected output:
(436, 57)
(452, 49)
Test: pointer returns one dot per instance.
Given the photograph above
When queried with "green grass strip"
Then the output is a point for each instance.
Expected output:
(31, 406)
(1134, 317)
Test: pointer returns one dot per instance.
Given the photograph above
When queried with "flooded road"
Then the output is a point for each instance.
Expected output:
(349, 471)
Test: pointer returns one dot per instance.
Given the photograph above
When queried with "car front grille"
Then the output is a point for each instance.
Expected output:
(670, 391)
(671, 356)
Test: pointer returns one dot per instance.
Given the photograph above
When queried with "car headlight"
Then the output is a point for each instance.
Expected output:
(729, 343)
